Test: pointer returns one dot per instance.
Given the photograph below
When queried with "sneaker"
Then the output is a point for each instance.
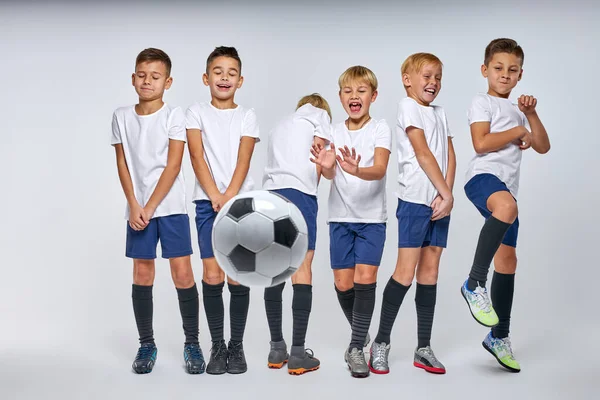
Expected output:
(424, 358)
(480, 305)
(302, 361)
(194, 359)
(217, 364)
(278, 354)
(145, 358)
(236, 360)
(355, 358)
(501, 349)
(378, 362)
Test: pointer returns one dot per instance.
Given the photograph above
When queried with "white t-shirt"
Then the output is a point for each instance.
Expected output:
(352, 199)
(145, 140)
(222, 131)
(505, 163)
(288, 164)
(415, 185)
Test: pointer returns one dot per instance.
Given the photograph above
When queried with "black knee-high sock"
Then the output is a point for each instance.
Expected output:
(490, 238)
(301, 306)
(273, 308)
(212, 295)
(238, 310)
(503, 288)
(425, 297)
(189, 307)
(364, 304)
(143, 309)
(392, 300)
(346, 299)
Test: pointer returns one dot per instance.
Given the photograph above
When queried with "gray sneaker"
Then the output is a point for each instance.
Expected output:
(302, 361)
(424, 358)
(278, 354)
(378, 362)
(355, 358)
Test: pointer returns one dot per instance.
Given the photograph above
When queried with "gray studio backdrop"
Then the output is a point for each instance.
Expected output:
(66, 324)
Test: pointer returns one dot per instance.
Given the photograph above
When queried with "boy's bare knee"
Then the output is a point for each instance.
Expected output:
(365, 274)
(344, 283)
(143, 272)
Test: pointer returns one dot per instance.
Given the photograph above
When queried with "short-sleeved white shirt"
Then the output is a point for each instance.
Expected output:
(352, 199)
(222, 131)
(415, 185)
(505, 163)
(288, 163)
(145, 141)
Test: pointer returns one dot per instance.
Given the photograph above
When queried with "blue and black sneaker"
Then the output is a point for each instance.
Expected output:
(145, 358)
(194, 359)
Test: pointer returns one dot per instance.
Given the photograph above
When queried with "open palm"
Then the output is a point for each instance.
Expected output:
(349, 160)
(323, 157)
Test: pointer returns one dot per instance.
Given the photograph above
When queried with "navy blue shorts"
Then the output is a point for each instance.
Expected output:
(205, 218)
(355, 243)
(478, 190)
(308, 206)
(416, 229)
(173, 231)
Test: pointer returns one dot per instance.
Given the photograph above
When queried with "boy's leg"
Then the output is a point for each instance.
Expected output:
(238, 314)
(341, 253)
(425, 299)
(273, 306)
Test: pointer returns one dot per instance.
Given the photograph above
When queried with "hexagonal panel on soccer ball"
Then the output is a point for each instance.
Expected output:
(270, 204)
(224, 235)
(255, 232)
(253, 279)
(273, 260)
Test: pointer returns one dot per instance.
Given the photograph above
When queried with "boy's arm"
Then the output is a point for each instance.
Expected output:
(168, 176)
(241, 169)
(201, 170)
(137, 219)
(428, 162)
(486, 142)
(378, 169)
(451, 172)
(319, 142)
(540, 140)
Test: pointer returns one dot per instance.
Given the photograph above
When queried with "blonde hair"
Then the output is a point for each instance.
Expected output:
(358, 73)
(316, 100)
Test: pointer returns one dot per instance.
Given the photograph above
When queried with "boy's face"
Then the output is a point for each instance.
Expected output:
(223, 78)
(150, 80)
(356, 98)
(503, 72)
(424, 85)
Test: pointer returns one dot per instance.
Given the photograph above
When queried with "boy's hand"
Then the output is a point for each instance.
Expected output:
(527, 104)
(148, 213)
(137, 218)
(323, 157)
(225, 198)
(349, 160)
(441, 207)
(525, 140)
(215, 201)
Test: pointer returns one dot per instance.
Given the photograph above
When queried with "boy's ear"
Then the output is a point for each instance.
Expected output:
(374, 96)
(240, 82)
(205, 79)
(484, 70)
(406, 80)
(520, 75)
(133, 79)
(168, 82)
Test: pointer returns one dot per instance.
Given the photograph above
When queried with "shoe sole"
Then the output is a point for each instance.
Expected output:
(473, 315)
(277, 365)
(300, 371)
(432, 370)
(358, 374)
(195, 372)
(514, 370)
(376, 371)
(215, 372)
(234, 372)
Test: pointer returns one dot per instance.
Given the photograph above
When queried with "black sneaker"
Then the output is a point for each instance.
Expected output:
(145, 358)
(302, 361)
(217, 364)
(194, 359)
(236, 361)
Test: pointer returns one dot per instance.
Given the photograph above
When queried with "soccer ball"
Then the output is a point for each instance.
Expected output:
(259, 238)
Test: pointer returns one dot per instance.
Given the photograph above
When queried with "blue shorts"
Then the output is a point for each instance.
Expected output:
(355, 243)
(173, 231)
(478, 190)
(205, 218)
(416, 229)
(308, 206)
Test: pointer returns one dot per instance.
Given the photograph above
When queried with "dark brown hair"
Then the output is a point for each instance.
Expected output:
(224, 51)
(503, 45)
(152, 54)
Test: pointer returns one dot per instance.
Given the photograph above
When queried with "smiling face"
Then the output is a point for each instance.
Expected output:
(223, 78)
(503, 72)
(356, 98)
(423, 86)
(150, 80)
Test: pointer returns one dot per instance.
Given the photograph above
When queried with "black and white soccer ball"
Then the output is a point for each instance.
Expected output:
(259, 238)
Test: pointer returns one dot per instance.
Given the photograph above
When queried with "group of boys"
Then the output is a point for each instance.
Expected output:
(149, 139)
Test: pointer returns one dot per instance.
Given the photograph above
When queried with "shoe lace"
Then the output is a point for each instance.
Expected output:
(482, 300)
(357, 356)
(379, 351)
(144, 352)
(219, 350)
(193, 351)
(235, 351)
(505, 347)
